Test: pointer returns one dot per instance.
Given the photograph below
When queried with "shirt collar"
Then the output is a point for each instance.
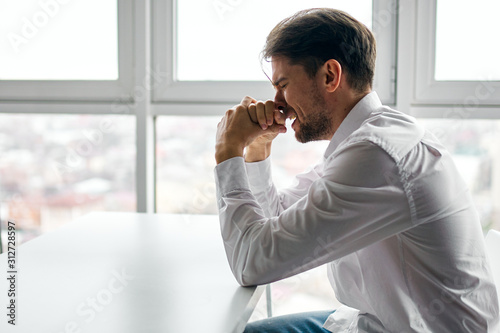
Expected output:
(353, 121)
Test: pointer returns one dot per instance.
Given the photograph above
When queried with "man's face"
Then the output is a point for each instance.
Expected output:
(300, 97)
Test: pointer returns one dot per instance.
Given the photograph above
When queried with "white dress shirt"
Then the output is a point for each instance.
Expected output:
(389, 213)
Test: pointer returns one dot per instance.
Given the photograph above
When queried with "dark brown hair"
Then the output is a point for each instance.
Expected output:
(312, 36)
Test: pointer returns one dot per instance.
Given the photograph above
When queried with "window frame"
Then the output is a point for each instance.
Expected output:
(429, 91)
(84, 90)
(173, 92)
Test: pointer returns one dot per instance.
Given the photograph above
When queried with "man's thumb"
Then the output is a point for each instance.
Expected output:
(277, 128)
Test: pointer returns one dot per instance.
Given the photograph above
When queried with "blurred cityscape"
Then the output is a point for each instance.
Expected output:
(55, 168)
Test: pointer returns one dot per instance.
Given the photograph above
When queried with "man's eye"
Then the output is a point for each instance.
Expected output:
(283, 86)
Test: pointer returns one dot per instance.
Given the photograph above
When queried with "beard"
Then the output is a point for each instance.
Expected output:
(319, 122)
(313, 130)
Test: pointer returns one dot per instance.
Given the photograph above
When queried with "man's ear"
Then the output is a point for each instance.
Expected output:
(333, 73)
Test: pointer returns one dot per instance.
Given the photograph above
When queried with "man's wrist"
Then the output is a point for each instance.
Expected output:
(258, 153)
(226, 152)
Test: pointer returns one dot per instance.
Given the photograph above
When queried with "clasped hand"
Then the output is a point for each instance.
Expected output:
(251, 124)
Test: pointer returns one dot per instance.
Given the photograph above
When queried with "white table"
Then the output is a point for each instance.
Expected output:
(127, 272)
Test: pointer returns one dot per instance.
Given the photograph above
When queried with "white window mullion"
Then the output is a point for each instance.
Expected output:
(405, 54)
(145, 143)
(385, 14)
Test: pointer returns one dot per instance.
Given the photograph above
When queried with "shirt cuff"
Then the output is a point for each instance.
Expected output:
(231, 175)
(259, 174)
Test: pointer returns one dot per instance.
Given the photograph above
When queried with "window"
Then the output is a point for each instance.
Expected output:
(472, 144)
(465, 52)
(50, 51)
(449, 79)
(456, 63)
(234, 33)
(216, 59)
(186, 186)
(53, 41)
(205, 76)
(55, 168)
(67, 144)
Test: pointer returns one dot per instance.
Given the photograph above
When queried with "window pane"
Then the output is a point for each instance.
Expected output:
(473, 144)
(221, 40)
(466, 40)
(184, 164)
(55, 168)
(58, 40)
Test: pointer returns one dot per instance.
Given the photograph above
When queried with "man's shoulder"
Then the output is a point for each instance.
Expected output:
(393, 131)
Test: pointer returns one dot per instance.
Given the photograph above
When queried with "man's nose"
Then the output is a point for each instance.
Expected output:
(279, 101)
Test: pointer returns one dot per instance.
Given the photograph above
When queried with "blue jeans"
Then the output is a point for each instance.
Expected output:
(306, 322)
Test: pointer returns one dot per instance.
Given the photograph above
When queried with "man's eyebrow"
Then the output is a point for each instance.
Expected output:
(278, 81)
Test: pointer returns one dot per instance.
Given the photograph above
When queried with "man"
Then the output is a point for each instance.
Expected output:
(386, 210)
